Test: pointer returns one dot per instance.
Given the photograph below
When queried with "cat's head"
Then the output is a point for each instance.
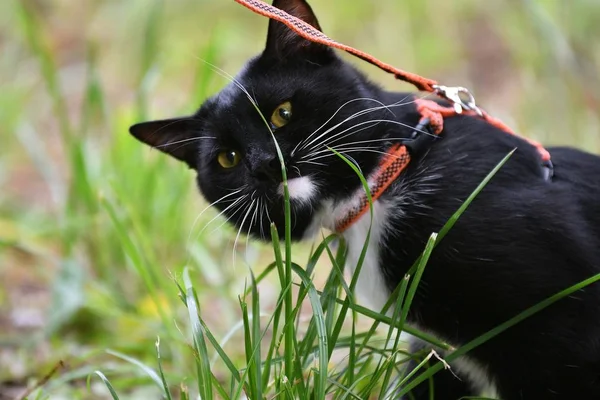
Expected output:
(309, 100)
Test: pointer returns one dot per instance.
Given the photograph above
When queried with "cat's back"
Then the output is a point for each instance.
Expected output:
(577, 180)
(577, 167)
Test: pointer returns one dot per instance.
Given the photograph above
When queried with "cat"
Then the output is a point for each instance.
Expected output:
(523, 239)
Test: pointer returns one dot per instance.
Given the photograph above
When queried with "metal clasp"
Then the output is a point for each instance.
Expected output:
(460, 97)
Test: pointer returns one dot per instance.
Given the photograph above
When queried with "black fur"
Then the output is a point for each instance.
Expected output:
(522, 240)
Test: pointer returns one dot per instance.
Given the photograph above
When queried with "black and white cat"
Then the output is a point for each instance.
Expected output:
(522, 240)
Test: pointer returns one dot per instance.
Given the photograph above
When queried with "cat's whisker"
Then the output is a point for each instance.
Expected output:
(333, 116)
(330, 139)
(350, 118)
(176, 121)
(399, 103)
(268, 216)
(232, 214)
(262, 206)
(301, 142)
(184, 141)
(327, 141)
(331, 142)
(252, 99)
(346, 148)
(344, 153)
(354, 149)
(252, 223)
(311, 162)
(180, 141)
(310, 157)
(323, 144)
(331, 154)
(368, 124)
(240, 200)
(356, 164)
(350, 145)
(389, 139)
(342, 149)
(366, 150)
(208, 207)
(240, 188)
(231, 78)
(248, 210)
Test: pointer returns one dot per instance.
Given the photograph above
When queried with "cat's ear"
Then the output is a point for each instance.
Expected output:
(177, 137)
(283, 43)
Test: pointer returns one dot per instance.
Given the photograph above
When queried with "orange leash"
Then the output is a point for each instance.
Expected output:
(429, 109)
(432, 113)
(309, 32)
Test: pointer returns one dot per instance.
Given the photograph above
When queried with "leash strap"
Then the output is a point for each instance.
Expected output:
(462, 100)
(308, 32)
(432, 113)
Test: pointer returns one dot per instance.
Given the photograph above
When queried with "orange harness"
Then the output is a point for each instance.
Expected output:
(391, 166)
(432, 113)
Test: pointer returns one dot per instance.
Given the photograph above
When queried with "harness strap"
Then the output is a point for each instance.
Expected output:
(437, 112)
(390, 167)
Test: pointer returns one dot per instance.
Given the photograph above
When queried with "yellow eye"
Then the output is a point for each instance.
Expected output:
(229, 158)
(282, 115)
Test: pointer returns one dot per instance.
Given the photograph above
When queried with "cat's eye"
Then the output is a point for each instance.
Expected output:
(282, 115)
(228, 158)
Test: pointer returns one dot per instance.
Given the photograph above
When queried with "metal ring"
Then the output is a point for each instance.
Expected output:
(453, 93)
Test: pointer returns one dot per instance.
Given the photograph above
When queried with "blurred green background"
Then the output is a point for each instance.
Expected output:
(93, 225)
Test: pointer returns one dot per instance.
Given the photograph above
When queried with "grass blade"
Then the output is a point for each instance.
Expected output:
(417, 278)
(387, 320)
(202, 360)
(256, 338)
(251, 349)
(149, 371)
(321, 379)
(160, 371)
(137, 260)
(396, 324)
(33, 30)
(112, 391)
(221, 353)
(148, 56)
(463, 207)
(289, 327)
(272, 347)
(356, 273)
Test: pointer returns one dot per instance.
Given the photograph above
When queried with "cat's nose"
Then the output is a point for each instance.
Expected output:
(267, 170)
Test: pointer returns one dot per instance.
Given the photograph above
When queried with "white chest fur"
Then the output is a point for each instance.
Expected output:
(371, 288)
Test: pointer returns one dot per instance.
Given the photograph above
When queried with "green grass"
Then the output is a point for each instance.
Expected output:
(98, 240)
